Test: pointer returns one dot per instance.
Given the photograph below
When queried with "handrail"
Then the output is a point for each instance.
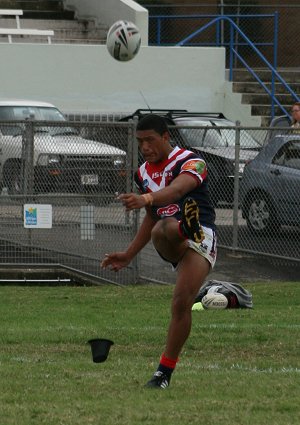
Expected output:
(160, 18)
(275, 74)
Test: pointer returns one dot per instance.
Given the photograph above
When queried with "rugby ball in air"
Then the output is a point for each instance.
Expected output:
(214, 301)
(123, 40)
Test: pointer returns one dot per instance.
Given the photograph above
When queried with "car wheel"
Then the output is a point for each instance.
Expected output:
(260, 214)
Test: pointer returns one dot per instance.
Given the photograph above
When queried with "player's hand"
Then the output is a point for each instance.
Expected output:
(132, 201)
(115, 261)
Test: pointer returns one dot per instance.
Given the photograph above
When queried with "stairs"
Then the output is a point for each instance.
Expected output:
(50, 15)
(254, 94)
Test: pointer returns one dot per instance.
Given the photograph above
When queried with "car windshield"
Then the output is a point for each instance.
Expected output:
(216, 137)
(38, 113)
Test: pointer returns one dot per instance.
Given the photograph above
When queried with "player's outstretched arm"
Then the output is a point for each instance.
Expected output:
(115, 261)
(118, 260)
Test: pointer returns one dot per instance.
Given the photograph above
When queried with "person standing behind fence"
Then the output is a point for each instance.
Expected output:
(296, 116)
(180, 221)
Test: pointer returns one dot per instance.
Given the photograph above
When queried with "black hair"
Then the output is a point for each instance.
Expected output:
(153, 122)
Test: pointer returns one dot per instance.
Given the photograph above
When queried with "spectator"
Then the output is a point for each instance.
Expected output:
(296, 116)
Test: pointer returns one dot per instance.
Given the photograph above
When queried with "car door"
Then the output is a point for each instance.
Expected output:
(288, 181)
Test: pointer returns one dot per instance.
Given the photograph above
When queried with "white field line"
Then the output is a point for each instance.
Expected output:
(238, 367)
(239, 326)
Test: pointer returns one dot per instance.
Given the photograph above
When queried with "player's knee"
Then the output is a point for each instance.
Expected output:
(161, 229)
(158, 232)
(181, 305)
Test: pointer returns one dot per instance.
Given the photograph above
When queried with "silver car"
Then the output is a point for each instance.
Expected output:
(270, 187)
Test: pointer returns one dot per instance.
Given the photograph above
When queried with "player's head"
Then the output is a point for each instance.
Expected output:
(295, 111)
(152, 134)
(153, 122)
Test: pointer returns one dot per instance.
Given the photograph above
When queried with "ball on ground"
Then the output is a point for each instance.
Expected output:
(214, 301)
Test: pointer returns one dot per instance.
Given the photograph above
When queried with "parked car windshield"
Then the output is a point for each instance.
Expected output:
(38, 113)
(216, 137)
(247, 141)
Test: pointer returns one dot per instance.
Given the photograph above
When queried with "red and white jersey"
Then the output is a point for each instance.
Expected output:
(153, 177)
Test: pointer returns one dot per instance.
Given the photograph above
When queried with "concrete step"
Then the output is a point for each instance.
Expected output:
(49, 24)
(265, 110)
(290, 76)
(254, 87)
(32, 5)
(44, 40)
(65, 31)
(68, 36)
(25, 39)
(264, 98)
(49, 14)
(41, 9)
(254, 94)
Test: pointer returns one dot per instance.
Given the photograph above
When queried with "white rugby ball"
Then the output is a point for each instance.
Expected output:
(123, 40)
(214, 301)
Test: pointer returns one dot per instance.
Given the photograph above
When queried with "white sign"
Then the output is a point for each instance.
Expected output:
(37, 216)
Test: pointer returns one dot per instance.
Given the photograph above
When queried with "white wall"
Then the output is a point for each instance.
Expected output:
(86, 79)
(235, 111)
(109, 11)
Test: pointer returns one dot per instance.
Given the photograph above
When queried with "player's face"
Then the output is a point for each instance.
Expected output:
(154, 147)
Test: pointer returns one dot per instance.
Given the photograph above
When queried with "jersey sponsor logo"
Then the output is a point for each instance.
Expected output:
(164, 173)
(194, 165)
(168, 210)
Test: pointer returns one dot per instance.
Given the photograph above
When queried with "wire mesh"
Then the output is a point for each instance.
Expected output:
(171, 23)
(76, 169)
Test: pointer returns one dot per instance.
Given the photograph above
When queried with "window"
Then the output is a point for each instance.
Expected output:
(19, 113)
(289, 156)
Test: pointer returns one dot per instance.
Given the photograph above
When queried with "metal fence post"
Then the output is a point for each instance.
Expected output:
(236, 186)
(28, 184)
(28, 168)
(136, 263)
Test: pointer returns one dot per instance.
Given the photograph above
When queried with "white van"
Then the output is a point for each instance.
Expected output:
(63, 161)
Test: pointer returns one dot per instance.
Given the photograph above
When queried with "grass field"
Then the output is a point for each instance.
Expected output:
(238, 367)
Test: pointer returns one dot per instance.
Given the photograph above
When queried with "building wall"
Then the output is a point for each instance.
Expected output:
(86, 79)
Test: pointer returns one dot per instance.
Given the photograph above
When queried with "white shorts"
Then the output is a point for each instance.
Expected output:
(208, 247)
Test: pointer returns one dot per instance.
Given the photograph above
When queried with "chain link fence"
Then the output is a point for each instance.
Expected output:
(268, 26)
(59, 182)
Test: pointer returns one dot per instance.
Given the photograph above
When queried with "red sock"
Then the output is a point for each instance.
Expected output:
(167, 365)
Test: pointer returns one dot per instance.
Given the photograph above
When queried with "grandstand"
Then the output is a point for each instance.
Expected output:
(82, 78)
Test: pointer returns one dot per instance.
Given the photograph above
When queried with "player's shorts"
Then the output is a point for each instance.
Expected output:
(207, 248)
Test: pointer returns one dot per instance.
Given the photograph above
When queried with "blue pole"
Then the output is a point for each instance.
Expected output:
(218, 34)
(231, 53)
(158, 33)
(275, 48)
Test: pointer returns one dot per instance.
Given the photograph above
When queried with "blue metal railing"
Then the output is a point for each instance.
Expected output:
(233, 51)
(162, 19)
